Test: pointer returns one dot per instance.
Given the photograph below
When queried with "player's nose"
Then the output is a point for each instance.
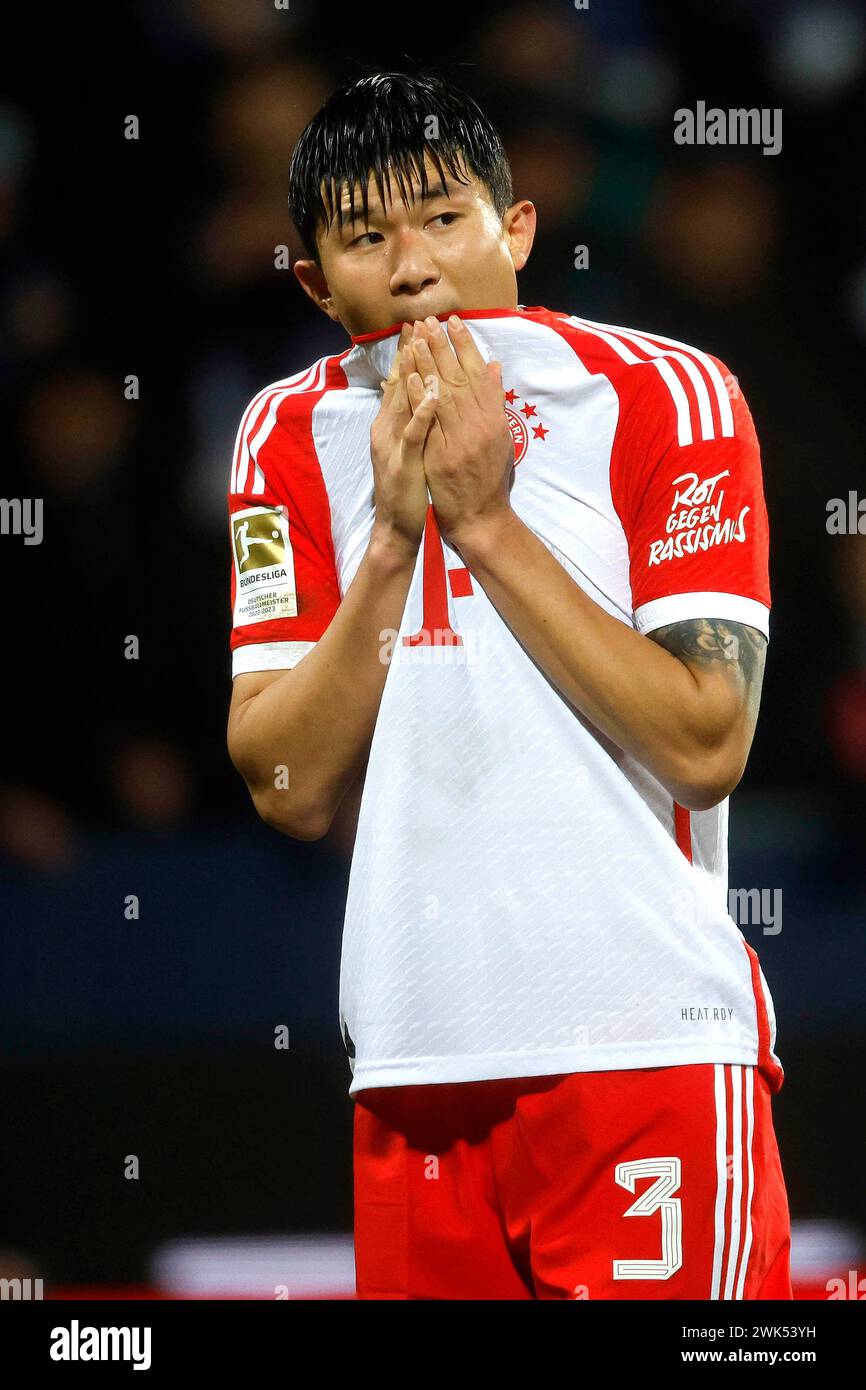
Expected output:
(414, 270)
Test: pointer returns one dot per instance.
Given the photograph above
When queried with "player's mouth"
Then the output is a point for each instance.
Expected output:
(422, 309)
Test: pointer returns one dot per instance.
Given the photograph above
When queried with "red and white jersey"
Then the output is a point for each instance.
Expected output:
(525, 898)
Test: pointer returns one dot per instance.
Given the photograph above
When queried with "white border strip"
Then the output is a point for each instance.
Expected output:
(268, 656)
(736, 1177)
(674, 608)
(750, 1130)
(721, 1176)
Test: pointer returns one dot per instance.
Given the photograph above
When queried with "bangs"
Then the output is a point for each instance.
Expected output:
(384, 127)
(407, 168)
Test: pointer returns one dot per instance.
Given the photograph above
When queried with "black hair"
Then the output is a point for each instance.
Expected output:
(382, 120)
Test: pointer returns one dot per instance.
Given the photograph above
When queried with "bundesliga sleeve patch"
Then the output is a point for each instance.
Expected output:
(264, 566)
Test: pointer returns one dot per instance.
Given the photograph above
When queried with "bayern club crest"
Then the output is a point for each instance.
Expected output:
(520, 421)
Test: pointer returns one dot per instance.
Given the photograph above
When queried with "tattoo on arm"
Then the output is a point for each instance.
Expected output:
(712, 644)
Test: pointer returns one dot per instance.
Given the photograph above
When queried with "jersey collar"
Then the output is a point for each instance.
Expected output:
(360, 338)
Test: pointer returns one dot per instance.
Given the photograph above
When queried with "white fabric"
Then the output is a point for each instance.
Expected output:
(518, 904)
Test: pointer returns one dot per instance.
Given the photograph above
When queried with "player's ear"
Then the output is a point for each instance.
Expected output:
(519, 224)
(311, 278)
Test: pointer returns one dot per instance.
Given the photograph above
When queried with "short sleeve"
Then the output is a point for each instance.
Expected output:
(284, 584)
(687, 485)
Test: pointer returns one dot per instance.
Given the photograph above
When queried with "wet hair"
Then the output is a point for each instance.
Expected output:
(378, 125)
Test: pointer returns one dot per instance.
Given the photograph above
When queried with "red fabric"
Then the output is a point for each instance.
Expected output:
(293, 481)
(461, 583)
(671, 496)
(666, 493)
(683, 829)
(508, 1189)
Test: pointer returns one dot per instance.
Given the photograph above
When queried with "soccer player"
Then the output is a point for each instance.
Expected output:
(510, 566)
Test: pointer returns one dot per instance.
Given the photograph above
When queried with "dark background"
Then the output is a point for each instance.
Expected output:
(155, 257)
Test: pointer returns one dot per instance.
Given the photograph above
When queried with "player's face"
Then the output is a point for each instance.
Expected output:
(446, 251)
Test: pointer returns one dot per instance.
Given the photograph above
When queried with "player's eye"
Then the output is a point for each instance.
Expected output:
(452, 216)
(359, 239)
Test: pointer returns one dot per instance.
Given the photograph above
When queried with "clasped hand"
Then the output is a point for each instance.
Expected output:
(468, 453)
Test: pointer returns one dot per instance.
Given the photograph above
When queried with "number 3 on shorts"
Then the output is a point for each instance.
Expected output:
(668, 1172)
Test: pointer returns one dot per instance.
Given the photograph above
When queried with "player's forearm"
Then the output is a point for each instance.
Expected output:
(642, 697)
(302, 741)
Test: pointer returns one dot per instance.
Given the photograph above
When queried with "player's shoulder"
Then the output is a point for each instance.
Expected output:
(293, 394)
(274, 434)
(656, 376)
(619, 348)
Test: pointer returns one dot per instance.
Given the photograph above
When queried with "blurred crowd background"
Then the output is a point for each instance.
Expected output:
(152, 1034)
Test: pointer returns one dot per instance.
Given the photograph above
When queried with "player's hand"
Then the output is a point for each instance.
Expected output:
(469, 451)
(397, 440)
